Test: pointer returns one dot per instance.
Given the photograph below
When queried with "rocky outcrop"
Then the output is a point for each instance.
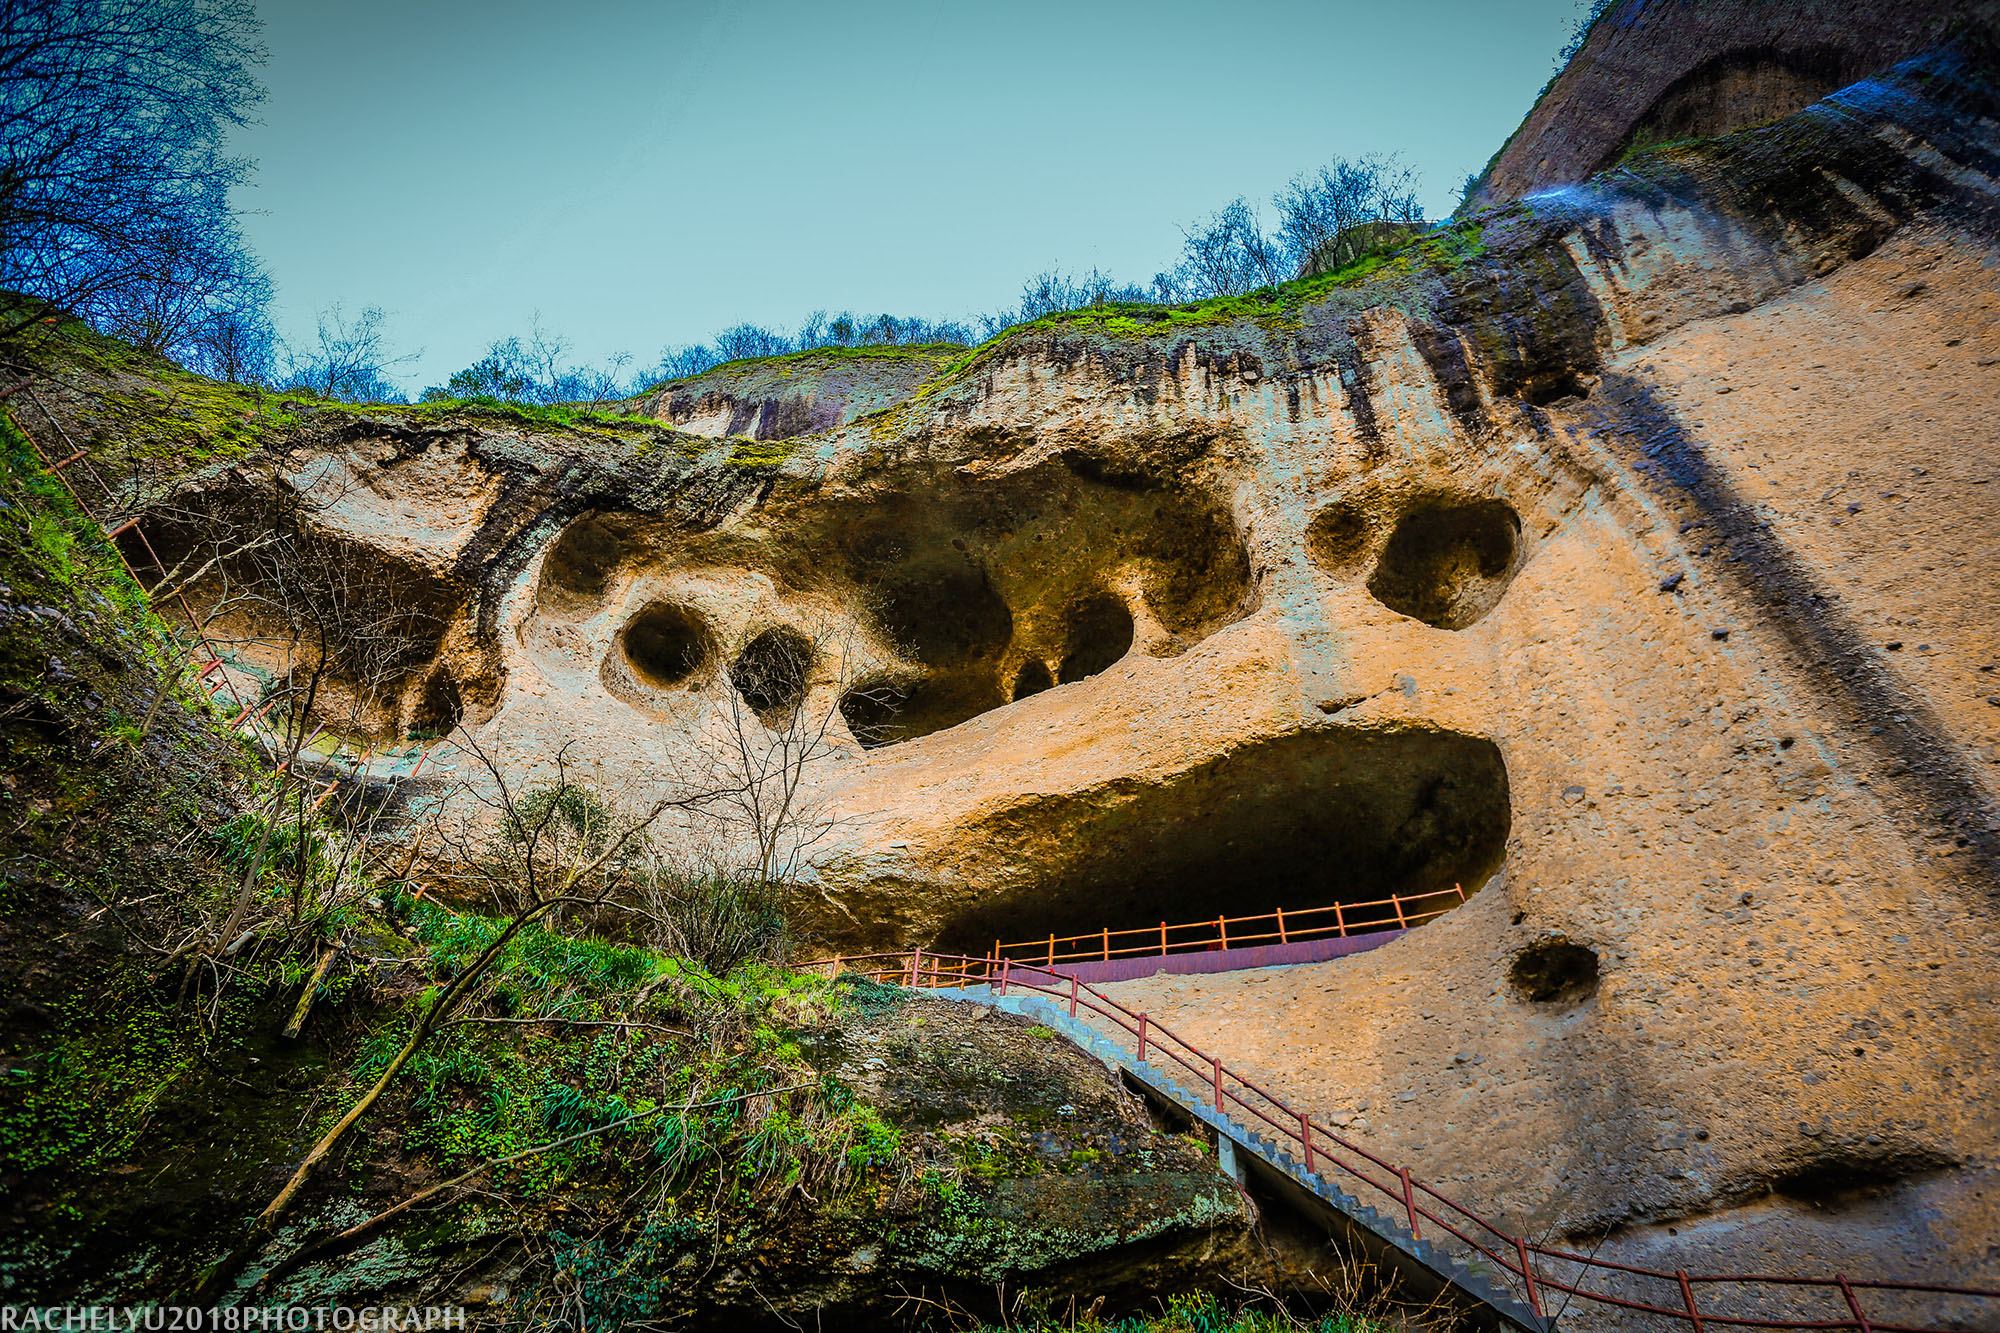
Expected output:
(1617, 555)
(778, 397)
(1656, 71)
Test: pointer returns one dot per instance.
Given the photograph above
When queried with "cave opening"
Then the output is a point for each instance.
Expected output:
(773, 672)
(1337, 538)
(582, 558)
(870, 710)
(1448, 563)
(1297, 822)
(1033, 678)
(439, 710)
(666, 645)
(1100, 632)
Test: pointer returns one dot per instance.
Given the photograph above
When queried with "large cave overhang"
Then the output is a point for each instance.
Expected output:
(1305, 820)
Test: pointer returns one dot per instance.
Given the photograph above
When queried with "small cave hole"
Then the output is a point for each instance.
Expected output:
(1552, 386)
(1843, 1175)
(666, 644)
(582, 559)
(1034, 678)
(1100, 633)
(871, 710)
(1337, 537)
(773, 672)
(1447, 564)
(1555, 972)
(440, 709)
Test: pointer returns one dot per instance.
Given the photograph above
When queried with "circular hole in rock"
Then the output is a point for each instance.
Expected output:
(582, 559)
(1337, 537)
(871, 710)
(773, 671)
(1555, 972)
(1034, 678)
(666, 644)
(1447, 564)
(1100, 632)
(439, 710)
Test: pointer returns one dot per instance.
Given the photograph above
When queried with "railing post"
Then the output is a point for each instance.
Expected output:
(1052, 949)
(1860, 1319)
(1687, 1295)
(1306, 1139)
(1410, 1202)
(1396, 901)
(1072, 995)
(1163, 939)
(1215, 1063)
(1222, 929)
(1006, 964)
(836, 966)
(1339, 919)
(1107, 944)
(1142, 1039)
(1528, 1279)
(916, 959)
(1460, 888)
(1282, 937)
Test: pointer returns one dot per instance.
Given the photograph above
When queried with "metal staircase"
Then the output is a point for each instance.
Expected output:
(1427, 1271)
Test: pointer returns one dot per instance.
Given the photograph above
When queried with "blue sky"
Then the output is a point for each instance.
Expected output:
(643, 174)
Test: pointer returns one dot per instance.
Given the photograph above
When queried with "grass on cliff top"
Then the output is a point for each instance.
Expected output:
(147, 416)
(1441, 249)
(790, 360)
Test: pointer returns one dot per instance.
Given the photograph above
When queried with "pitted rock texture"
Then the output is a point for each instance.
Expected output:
(1619, 555)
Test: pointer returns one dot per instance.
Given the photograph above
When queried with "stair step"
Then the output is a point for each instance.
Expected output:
(1478, 1284)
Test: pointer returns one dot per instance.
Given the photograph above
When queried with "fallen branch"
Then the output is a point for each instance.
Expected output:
(305, 1000)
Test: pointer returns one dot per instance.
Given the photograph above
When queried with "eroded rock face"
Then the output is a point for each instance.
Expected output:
(776, 398)
(1530, 566)
(1662, 71)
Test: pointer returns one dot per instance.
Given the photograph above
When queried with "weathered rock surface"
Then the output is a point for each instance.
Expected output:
(1654, 71)
(775, 398)
(1621, 555)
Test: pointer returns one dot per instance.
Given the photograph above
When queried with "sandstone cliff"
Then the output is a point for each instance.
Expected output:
(1620, 554)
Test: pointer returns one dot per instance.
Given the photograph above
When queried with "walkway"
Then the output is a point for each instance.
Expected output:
(1389, 1214)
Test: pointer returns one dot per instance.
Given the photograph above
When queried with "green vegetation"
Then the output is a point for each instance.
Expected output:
(1380, 273)
(814, 355)
(1198, 1314)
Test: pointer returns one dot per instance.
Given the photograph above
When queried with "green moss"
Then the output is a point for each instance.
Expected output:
(761, 453)
(787, 363)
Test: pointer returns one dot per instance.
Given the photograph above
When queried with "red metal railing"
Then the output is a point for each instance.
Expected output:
(1396, 912)
(1537, 1272)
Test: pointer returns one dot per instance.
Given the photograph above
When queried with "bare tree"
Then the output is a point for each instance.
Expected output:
(777, 726)
(1228, 255)
(722, 887)
(1332, 217)
(543, 871)
(348, 360)
(537, 370)
(114, 181)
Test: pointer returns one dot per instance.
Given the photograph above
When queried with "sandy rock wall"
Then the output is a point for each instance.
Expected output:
(1619, 556)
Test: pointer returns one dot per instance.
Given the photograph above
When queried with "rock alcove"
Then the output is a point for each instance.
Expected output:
(1303, 821)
